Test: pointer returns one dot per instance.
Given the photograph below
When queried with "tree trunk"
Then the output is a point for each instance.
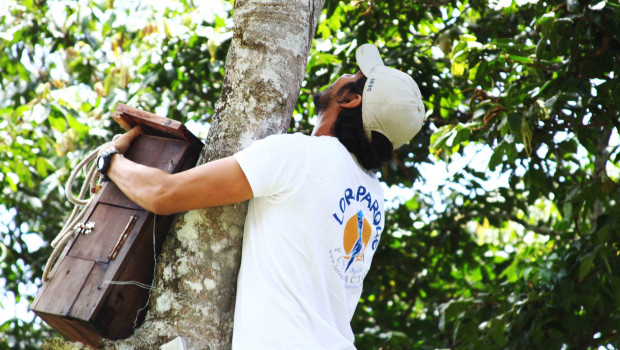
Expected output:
(196, 276)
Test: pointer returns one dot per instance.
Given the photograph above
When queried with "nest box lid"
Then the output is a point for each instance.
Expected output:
(152, 124)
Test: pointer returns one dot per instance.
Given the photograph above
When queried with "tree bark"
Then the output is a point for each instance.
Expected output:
(196, 274)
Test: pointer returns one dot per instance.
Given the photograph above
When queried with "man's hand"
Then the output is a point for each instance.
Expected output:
(123, 142)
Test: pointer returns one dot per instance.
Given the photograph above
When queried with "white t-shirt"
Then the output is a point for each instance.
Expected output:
(310, 235)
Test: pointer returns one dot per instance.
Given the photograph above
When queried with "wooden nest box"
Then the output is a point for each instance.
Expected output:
(82, 298)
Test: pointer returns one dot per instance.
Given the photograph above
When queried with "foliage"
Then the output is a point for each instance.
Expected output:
(64, 66)
(515, 248)
(533, 262)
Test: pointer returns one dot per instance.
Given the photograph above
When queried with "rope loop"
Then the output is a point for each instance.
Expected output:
(89, 167)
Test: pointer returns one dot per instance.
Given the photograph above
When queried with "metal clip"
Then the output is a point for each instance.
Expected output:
(85, 227)
(123, 237)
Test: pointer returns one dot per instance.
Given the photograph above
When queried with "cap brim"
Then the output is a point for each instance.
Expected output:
(368, 58)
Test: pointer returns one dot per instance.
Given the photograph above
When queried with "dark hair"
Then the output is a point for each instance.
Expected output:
(349, 130)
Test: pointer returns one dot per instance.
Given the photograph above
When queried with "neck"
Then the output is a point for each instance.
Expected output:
(325, 123)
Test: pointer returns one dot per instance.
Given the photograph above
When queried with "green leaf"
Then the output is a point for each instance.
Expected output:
(603, 255)
(467, 37)
(13, 180)
(412, 204)
(497, 157)
(460, 56)
(42, 166)
(514, 123)
(57, 120)
(497, 331)
(521, 59)
(585, 266)
(439, 138)
(450, 310)
(458, 68)
(75, 125)
(561, 225)
(546, 17)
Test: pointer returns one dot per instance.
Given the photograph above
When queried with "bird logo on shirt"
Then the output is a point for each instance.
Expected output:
(356, 236)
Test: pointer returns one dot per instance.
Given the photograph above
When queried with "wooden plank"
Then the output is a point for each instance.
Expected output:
(67, 281)
(61, 256)
(116, 317)
(157, 152)
(112, 308)
(122, 302)
(189, 160)
(128, 117)
(64, 327)
(89, 299)
(110, 222)
(152, 124)
(75, 330)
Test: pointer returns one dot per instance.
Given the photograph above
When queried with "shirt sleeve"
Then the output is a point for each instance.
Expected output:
(275, 165)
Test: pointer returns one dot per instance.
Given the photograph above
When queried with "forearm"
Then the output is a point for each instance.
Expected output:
(142, 184)
(212, 184)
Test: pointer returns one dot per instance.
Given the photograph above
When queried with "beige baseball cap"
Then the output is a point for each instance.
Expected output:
(392, 103)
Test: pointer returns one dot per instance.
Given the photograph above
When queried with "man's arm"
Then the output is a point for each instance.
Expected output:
(212, 184)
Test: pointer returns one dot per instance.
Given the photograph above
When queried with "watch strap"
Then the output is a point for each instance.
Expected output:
(107, 159)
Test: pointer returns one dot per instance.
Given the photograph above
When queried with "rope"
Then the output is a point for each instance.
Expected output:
(88, 166)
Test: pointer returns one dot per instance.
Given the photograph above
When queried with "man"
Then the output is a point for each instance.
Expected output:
(315, 214)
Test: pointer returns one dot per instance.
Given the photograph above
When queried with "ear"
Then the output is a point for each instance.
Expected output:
(352, 101)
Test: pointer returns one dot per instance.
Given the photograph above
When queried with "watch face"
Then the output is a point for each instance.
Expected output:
(100, 163)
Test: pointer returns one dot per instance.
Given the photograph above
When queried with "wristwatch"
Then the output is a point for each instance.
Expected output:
(103, 162)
